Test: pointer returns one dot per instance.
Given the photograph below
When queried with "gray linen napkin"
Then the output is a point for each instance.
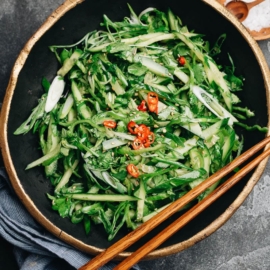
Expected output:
(34, 247)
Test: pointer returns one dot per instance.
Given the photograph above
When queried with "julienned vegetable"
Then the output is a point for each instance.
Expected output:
(145, 116)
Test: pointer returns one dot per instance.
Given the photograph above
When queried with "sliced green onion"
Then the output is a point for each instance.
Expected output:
(55, 92)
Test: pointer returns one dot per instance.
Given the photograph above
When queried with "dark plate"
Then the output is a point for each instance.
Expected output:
(66, 26)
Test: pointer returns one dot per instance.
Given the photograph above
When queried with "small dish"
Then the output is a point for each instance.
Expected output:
(263, 34)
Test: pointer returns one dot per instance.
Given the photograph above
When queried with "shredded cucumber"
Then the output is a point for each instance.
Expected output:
(106, 78)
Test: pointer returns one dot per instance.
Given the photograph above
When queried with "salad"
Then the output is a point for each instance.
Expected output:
(139, 113)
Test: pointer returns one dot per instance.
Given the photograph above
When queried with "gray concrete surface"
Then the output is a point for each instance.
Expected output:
(242, 243)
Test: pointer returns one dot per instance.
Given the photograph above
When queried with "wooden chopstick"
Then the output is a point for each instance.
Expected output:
(142, 230)
(189, 215)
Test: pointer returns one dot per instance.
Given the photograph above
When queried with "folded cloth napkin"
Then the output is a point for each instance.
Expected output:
(34, 247)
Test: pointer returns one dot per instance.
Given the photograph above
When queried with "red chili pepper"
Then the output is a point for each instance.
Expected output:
(137, 144)
(181, 60)
(142, 107)
(109, 124)
(150, 139)
(142, 132)
(144, 136)
(152, 100)
(133, 170)
(132, 127)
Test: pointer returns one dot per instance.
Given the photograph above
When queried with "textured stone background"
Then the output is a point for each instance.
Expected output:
(242, 243)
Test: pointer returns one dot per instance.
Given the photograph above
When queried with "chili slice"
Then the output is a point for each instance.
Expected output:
(132, 127)
(144, 136)
(152, 100)
(142, 132)
(137, 144)
(133, 170)
(142, 107)
(109, 124)
(150, 139)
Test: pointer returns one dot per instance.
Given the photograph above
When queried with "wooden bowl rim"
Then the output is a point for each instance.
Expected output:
(34, 211)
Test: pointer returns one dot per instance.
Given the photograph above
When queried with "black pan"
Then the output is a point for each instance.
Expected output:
(67, 25)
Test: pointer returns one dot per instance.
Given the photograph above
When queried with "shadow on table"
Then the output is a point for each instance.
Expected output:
(7, 259)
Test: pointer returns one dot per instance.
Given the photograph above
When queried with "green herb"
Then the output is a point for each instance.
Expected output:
(108, 76)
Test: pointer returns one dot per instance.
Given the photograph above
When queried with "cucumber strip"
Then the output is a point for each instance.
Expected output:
(66, 107)
(200, 159)
(162, 88)
(195, 128)
(153, 66)
(112, 143)
(102, 197)
(113, 182)
(141, 38)
(117, 87)
(123, 135)
(214, 129)
(155, 39)
(141, 194)
(196, 159)
(182, 76)
(66, 176)
(52, 142)
(69, 63)
(83, 110)
(45, 158)
(125, 41)
(214, 74)
(182, 150)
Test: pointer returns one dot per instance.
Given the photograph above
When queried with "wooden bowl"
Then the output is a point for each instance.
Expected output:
(65, 26)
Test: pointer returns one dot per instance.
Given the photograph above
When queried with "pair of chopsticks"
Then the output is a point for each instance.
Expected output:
(142, 230)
